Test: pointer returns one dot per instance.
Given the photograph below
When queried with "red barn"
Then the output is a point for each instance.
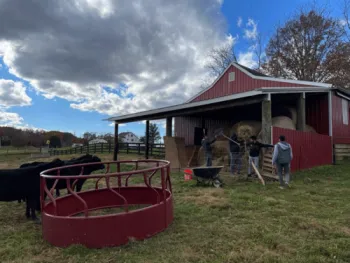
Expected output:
(244, 94)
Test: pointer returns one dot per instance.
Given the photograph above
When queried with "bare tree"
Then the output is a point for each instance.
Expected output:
(301, 49)
(346, 15)
(220, 59)
(338, 65)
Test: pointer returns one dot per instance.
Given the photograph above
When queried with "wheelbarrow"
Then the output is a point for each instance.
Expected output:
(208, 175)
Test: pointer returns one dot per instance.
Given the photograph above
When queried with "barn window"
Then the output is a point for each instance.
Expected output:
(345, 108)
(231, 76)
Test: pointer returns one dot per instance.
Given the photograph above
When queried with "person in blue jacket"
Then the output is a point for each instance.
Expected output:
(281, 159)
(206, 144)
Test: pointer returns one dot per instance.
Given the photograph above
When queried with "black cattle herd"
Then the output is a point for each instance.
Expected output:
(24, 183)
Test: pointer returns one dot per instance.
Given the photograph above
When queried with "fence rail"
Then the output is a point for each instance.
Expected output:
(156, 150)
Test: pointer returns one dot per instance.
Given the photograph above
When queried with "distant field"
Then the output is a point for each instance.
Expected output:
(242, 222)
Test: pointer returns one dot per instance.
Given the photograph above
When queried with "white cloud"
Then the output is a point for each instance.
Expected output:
(13, 93)
(343, 22)
(247, 59)
(10, 119)
(73, 50)
(120, 125)
(239, 21)
(251, 30)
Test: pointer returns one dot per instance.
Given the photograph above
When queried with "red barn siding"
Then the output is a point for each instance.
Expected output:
(242, 83)
(309, 149)
(317, 113)
(341, 132)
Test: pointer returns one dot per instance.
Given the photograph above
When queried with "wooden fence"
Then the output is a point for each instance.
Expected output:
(156, 150)
(309, 149)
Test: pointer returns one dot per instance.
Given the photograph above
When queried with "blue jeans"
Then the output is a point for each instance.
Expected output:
(256, 162)
(208, 158)
(286, 168)
(236, 158)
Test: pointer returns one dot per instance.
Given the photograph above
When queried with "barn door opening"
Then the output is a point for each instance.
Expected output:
(198, 135)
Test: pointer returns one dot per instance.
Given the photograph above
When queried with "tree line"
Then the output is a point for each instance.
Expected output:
(10, 136)
(310, 46)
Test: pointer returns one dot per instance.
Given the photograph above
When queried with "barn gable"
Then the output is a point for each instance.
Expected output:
(237, 79)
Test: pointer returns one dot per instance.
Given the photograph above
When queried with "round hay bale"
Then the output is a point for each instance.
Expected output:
(293, 113)
(245, 129)
(308, 128)
(283, 122)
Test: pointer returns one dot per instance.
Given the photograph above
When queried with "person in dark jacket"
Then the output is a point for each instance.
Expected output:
(235, 154)
(206, 144)
(254, 152)
(281, 159)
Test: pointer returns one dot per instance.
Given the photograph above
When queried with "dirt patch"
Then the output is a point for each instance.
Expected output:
(346, 230)
(215, 198)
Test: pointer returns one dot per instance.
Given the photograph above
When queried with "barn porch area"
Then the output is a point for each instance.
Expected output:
(305, 109)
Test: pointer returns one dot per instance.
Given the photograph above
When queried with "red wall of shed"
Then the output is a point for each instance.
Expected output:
(317, 114)
(341, 132)
(242, 83)
(309, 149)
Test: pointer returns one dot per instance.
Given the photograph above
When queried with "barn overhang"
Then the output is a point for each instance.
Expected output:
(187, 109)
(230, 101)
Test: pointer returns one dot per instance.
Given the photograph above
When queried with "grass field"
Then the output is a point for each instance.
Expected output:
(243, 222)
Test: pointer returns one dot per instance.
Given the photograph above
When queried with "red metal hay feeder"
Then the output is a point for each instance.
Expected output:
(62, 226)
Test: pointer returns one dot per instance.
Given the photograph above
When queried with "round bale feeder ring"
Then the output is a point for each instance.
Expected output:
(69, 219)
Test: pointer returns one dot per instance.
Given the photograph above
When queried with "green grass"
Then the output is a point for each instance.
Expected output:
(243, 222)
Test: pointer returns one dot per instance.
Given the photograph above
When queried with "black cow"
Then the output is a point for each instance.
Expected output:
(16, 184)
(88, 169)
(72, 171)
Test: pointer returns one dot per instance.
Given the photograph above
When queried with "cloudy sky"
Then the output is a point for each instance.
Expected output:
(68, 64)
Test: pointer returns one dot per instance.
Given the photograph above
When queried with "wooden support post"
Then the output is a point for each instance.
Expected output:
(266, 120)
(147, 140)
(301, 120)
(169, 126)
(116, 144)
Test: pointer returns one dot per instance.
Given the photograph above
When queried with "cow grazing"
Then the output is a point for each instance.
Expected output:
(16, 184)
(87, 170)
(72, 171)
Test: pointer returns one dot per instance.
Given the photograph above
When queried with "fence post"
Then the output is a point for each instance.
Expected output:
(75, 150)
(81, 149)
(109, 147)
(127, 148)
(88, 148)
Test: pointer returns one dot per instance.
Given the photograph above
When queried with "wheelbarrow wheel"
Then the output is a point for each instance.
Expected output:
(217, 183)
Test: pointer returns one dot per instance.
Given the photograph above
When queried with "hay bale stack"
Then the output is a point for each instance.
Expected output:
(293, 113)
(245, 129)
(308, 128)
(220, 150)
(283, 122)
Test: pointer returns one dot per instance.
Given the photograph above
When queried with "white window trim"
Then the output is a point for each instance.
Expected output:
(345, 111)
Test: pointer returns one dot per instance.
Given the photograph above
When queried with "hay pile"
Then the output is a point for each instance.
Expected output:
(308, 128)
(220, 150)
(293, 113)
(283, 122)
(245, 129)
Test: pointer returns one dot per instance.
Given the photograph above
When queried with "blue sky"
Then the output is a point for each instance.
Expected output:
(42, 81)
